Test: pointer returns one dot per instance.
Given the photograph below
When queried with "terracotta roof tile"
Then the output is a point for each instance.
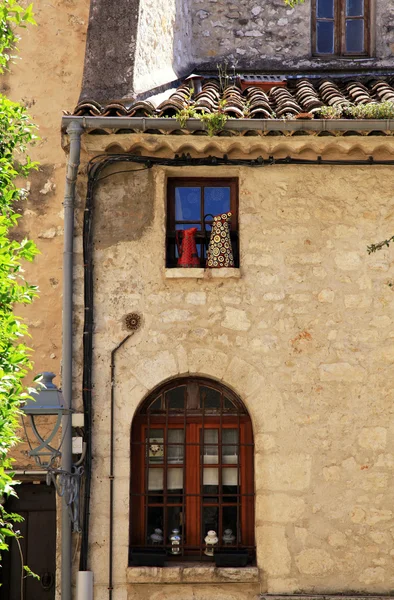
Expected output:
(299, 97)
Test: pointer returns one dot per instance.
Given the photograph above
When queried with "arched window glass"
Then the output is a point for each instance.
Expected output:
(192, 469)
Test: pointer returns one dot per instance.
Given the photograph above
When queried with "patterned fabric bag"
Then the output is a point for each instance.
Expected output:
(220, 253)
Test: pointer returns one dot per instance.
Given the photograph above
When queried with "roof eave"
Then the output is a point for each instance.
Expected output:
(144, 124)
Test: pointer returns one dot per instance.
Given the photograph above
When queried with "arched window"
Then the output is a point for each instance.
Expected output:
(192, 469)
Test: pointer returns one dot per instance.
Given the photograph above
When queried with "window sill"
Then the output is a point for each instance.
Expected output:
(192, 573)
(184, 273)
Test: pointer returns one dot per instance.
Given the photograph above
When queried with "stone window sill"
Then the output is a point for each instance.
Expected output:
(184, 273)
(191, 573)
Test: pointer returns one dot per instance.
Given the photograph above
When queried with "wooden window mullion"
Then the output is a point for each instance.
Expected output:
(340, 26)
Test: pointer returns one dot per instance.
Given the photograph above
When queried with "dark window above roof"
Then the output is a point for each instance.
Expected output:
(341, 28)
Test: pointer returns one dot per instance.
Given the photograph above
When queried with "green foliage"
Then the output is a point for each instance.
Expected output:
(215, 121)
(16, 133)
(188, 111)
(331, 112)
(372, 110)
(293, 3)
(12, 15)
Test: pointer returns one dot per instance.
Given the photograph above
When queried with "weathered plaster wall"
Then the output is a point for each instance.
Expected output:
(142, 44)
(304, 337)
(269, 35)
(46, 80)
(163, 43)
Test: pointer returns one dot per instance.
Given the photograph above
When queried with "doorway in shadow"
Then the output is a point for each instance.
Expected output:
(37, 505)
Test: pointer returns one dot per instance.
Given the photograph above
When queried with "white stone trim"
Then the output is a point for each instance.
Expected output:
(192, 573)
(184, 273)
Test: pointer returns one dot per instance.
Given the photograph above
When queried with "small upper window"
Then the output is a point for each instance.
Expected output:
(340, 27)
(193, 204)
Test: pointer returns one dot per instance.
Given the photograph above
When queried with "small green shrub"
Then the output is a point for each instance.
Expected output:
(372, 110)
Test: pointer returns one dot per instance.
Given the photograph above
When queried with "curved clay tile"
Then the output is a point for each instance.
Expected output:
(88, 108)
(307, 96)
(284, 102)
(383, 91)
(141, 109)
(331, 94)
(358, 93)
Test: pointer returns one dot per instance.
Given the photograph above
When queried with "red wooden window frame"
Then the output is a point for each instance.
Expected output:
(340, 30)
(201, 182)
(194, 421)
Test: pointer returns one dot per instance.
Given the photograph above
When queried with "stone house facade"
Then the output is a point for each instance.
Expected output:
(296, 336)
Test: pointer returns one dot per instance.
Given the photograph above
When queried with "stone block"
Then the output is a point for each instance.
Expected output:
(279, 508)
(236, 319)
(373, 438)
(283, 473)
(314, 561)
(341, 372)
(273, 555)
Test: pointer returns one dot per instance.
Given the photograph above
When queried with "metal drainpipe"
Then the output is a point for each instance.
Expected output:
(74, 131)
(111, 469)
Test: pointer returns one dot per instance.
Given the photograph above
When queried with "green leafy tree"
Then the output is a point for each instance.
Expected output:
(16, 133)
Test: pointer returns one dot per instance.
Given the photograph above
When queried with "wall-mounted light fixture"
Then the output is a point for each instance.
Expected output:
(47, 401)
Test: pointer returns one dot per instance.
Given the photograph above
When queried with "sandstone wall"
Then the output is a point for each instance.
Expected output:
(46, 79)
(304, 337)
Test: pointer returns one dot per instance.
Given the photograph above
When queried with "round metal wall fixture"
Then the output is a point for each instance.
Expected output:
(132, 321)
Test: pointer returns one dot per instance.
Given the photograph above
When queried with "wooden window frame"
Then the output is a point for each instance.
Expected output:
(194, 421)
(201, 238)
(340, 30)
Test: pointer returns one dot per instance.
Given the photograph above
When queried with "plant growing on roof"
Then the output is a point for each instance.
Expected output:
(216, 120)
(16, 133)
(188, 111)
(331, 112)
(373, 110)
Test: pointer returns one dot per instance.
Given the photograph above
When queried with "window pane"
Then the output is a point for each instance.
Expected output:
(216, 200)
(175, 454)
(174, 520)
(156, 405)
(354, 8)
(230, 484)
(155, 521)
(156, 480)
(209, 398)
(176, 398)
(155, 486)
(211, 452)
(174, 485)
(230, 524)
(325, 37)
(229, 405)
(175, 480)
(156, 446)
(325, 9)
(211, 484)
(230, 453)
(182, 226)
(354, 35)
(210, 517)
(187, 203)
